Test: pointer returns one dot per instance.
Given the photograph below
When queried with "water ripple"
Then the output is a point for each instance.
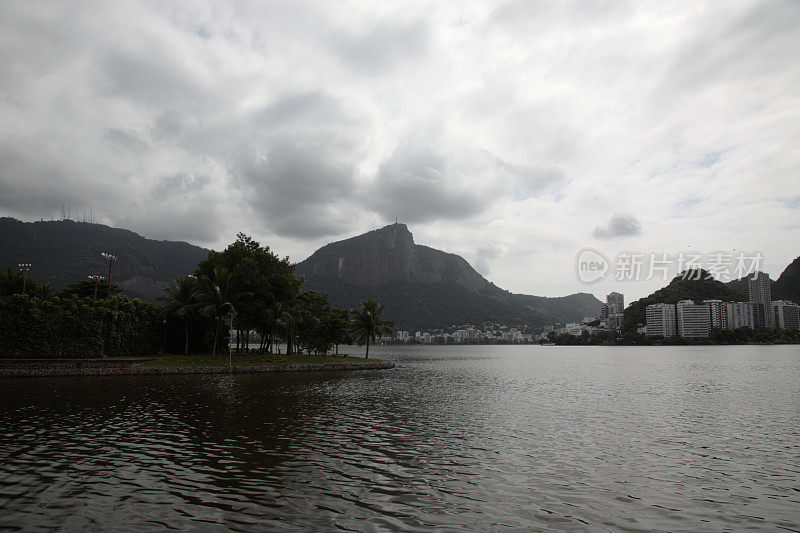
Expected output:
(456, 438)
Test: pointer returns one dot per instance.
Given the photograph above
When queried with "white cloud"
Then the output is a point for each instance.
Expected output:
(512, 124)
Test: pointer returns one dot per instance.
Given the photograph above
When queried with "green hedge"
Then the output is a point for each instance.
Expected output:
(74, 327)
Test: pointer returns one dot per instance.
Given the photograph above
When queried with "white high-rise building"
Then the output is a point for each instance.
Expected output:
(786, 314)
(694, 320)
(739, 315)
(760, 291)
(661, 320)
(717, 314)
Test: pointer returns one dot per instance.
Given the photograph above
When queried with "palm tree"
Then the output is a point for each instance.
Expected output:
(181, 302)
(289, 317)
(269, 317)
(367, 324)
(40, 290)
(216, 299)
(10, 282)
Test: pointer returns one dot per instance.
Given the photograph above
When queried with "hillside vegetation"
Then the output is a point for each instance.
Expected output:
(677, 290)
(63, 252)
(787, 286)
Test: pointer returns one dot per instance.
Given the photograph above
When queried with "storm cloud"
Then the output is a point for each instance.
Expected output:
(299, 191)
(419, 185)
(619, 225)
(480, 124)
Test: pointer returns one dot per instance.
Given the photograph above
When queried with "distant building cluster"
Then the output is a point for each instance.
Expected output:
(610, 319)
(465, 334)
(686, 319)
(696, 320)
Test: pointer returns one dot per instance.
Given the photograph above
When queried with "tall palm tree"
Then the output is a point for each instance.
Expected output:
(181, 302)
(367, 324)
(269, 316)
(216, 299)
(288, 318)
(10, 282)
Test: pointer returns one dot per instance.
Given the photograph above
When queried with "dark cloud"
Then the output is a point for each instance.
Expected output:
(192, 121)
(127, 140)
(742, 45)
(420, 184)
(168, 126)
(179, 184)
(31, 182)
(620, 225)
(417, 185)
(524, 181)
(309, 120)
(299, 176)
(306, 108)
(383, 46)
(176, 220)
(295, 189)
(483, 254)
(143, 78)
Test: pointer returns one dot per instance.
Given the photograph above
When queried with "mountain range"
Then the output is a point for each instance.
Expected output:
(421, 287)
(427, 288)
(64, 251)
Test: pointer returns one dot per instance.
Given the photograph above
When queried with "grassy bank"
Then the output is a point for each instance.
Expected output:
(253, 360)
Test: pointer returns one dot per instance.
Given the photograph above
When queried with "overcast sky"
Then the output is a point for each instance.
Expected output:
(513, 133)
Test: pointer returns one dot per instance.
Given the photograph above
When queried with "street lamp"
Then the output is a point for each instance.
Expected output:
(110, 258)
(164, 333)
(24, 268)
(96, 280)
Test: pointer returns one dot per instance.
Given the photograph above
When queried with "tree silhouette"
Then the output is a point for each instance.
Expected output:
(367, 323)
(216, 298)
(181, 302)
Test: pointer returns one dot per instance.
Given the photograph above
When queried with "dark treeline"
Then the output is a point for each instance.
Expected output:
(69, 326)
(250, 288)
(246, 286)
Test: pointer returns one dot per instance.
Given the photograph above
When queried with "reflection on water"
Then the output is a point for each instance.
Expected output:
(472, 438)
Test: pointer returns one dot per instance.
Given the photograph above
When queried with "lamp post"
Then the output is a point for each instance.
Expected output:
(110, 258)
(164, 333)
(96, 280)
(24, 268)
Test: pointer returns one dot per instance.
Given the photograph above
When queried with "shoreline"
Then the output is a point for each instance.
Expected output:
(124, 370)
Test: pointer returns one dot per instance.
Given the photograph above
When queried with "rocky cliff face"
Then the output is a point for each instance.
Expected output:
(389, 255)
(425, 288)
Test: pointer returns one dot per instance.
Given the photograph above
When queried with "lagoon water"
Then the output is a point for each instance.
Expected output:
(462, 437)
